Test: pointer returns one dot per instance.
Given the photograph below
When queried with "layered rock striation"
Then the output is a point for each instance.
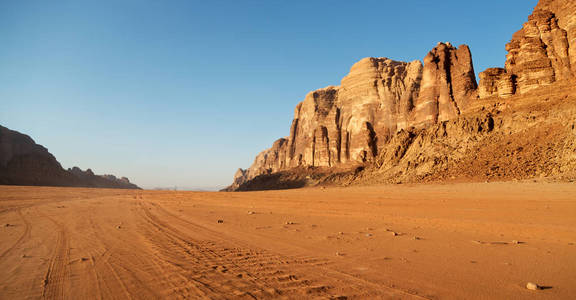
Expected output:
(541, 53)
(354, 123)
(348, 124)
(23, 162)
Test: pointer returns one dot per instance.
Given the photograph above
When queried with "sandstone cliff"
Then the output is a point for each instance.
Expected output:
(541, 53)
(382, 101)
(23, 162)
(348, 124)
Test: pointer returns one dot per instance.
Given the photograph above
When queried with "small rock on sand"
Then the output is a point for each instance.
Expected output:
(393, 233)
(220, 221)
(532, 286)
(118, 227)
(251, 212)
(289, 223)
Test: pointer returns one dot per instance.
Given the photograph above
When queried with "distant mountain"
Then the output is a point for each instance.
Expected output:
(23, 162)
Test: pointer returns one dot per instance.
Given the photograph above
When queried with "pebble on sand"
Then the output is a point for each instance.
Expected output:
(532, 286)
(220, 221)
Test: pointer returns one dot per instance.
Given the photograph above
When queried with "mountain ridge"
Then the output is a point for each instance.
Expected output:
(23, 162)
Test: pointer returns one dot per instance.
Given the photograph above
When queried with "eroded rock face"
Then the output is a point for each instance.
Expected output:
(496, 82)
(565, 14)
(23, 162)
(448, 84)
(350, 123)
(540, 53)
(353, 123)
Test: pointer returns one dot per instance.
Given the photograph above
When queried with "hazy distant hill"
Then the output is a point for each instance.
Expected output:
(23, 162)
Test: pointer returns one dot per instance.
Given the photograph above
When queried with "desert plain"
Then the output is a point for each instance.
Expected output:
(425, 241)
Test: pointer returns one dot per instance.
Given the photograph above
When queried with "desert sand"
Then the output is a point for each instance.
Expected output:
(441, 241)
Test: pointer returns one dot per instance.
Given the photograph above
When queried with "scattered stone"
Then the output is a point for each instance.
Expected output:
(251, 212)
(24, 256)
(394, 233)
(341, 233)
(7, 225)
(220, 221)
(368, 234)
(118, 227)
(339, 253)
(289, 223)
(83, 259)
(515, 242)
(533, 286)
(416, 238)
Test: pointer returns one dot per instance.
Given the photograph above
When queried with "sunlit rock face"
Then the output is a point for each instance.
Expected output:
(496, 82)
(354, 122)
(348, 124)
(448, 84)
(541, 53)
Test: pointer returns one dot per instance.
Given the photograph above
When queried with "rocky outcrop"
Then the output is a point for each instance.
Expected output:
(448, 84)
(23, 162)
(541, 53)
(350, 123)
(496, 82)
(382, 100)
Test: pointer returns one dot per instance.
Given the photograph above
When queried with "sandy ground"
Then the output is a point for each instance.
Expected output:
(458, 241)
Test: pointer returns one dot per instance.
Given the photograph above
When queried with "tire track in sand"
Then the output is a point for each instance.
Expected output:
(224, 269)
(25, 235)
(57, 274)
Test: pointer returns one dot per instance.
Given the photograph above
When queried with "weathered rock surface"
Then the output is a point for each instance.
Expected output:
(541, 53)
(348, 124)
(377, 114)
(448, 84)
(496, 82)
(23, 162)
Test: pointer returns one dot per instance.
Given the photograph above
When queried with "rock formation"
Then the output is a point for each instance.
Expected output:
(23, 162)
(541, 53)
(357, 122)
(348, 124)
(496, 82)
(448, 84)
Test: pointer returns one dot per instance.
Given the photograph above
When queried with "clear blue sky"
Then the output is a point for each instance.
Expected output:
(182, 93)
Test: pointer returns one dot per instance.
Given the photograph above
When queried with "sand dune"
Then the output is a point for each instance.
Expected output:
(459, 241)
